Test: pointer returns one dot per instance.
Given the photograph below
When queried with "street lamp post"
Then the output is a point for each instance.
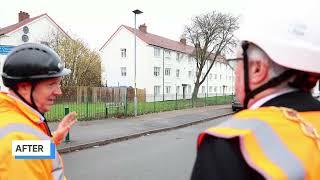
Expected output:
(137, 11)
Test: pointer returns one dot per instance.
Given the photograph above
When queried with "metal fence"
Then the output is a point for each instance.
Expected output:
(92, 108)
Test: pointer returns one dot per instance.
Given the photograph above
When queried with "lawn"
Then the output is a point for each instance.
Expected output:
(88, 111)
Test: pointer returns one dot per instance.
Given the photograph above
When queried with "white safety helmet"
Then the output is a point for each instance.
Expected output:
(287, 30)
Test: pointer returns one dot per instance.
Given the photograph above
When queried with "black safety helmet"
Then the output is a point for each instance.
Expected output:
(32, 62)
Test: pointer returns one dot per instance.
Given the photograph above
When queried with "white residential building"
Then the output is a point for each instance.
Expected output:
(38, 29)
(164, 66)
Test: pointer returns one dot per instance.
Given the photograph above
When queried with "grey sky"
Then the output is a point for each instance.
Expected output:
(94, 21)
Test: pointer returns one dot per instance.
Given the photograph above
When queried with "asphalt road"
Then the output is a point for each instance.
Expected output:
(166, 155)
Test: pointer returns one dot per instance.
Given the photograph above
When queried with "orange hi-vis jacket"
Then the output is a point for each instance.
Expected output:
(18, 121)
(273, 142)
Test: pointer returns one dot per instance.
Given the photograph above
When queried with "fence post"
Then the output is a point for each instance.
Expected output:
(205, 99)
(154, 102)
(87, 107)
(192, 101)
(66, 111)
(216, 98)
(106, 111)
(176, 101)
(126, 105)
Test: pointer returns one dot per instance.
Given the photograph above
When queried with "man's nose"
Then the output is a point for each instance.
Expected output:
(58, 91)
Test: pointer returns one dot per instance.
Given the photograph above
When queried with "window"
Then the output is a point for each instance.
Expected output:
(123, 71)
(177, 72)
(178, 56)
(167, 54)
(168, 89)
(203, 89)
(167, 71)
(156, 52)
(190, 74)
(190, 59)
(215, 76)
(156, 71)
(210, 76)
(215, 89)
(177, 89)
(123, 53)
(189, 88)
(220, 77)
(156, 90)
(210, 89)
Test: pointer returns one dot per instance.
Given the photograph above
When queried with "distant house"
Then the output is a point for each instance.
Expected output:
(38, 29)
(164, 66)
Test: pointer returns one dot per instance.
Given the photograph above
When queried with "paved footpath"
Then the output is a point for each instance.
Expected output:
(86, 134)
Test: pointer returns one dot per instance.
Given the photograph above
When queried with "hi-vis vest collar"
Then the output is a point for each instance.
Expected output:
(273, 145)
(14, 103)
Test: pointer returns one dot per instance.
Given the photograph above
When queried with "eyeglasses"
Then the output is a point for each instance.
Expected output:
(232, 62)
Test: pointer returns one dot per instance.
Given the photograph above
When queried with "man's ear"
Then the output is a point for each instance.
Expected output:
(259, 71)
(24, 88)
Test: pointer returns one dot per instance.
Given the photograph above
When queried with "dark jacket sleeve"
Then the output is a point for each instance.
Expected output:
(221, 159)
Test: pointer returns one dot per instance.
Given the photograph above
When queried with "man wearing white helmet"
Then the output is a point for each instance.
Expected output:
(277, 135)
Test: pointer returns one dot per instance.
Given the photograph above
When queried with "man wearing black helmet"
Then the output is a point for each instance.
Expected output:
(33, 73)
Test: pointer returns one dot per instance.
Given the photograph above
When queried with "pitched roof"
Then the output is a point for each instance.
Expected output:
(163, 42)
(18, 25)
(159, 41)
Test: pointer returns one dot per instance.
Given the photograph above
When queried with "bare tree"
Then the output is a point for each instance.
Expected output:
(84, 63)
(212, 35)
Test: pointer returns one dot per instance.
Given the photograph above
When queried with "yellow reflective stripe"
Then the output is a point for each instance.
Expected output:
(57, 171)
(263, 147)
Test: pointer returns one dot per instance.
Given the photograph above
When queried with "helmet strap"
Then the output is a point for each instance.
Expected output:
(33, 85)
(249, 94)
(245, 46)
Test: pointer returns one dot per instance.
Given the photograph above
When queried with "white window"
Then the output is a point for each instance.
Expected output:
(168, 89)
(123, 53)
(210, 76)
(181, 56)
(123, 71)
(220, 77)
(156, 90)
(189, 88)
(156, 71)
(215, 89)
(177, 72)
(167, 71)
(177, 89)
(190, 74)
(215, 76)
(210, 89)
(190, 59)
(203, 89)
(178, 56)
(167, 54)
(156, 52)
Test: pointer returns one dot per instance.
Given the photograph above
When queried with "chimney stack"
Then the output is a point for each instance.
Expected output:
(183, 40)
(23, 16)
(143, 28)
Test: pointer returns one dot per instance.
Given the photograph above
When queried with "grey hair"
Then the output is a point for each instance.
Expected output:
(255, 53)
